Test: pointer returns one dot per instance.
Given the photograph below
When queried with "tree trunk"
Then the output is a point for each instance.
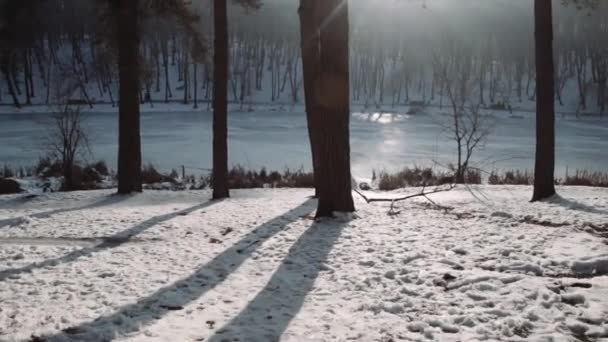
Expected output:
(545, 104)
(195, 85)
(9, 82)
(332, 110)
(129, 142)
(310, 62)
(220, 100)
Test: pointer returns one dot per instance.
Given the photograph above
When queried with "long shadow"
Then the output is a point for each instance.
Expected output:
(574, 205)
(108, 200)
(267, 316)
(132, 317)
(113, 241)
(21, 199)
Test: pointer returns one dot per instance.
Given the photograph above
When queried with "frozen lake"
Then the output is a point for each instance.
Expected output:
(278, 139)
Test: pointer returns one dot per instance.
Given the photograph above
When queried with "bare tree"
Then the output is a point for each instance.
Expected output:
(67, 141)
(468, 127)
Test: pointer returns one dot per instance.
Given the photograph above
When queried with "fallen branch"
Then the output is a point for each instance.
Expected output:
(422, 193)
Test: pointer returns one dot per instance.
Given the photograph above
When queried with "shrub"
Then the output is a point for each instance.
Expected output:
(274, 176)
(472, 176)
(150, 175)
(511, 177)
(240, 178)
(9, 186)
(413, 177)
(298, 179)
(90, 174)
(101, 167)
(498, 106)
(587, 178)
(47, 167)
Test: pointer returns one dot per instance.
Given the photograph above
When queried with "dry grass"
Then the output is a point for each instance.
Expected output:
(511, 177)
(587, 178)
(415, 177)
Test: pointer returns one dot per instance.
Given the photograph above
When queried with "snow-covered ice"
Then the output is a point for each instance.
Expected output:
(173, 266)
(379, 140)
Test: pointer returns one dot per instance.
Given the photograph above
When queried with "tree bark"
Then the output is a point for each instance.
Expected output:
(220, 100)
(9, 82)
(310, 61)
(332, 109)
(129, 141)
(545, 103)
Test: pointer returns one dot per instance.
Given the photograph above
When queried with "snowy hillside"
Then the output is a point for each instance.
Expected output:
(165, 266)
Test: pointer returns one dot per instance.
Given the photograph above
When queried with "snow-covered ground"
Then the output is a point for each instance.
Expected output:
(172, 266)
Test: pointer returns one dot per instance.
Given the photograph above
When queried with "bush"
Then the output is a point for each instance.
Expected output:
(414, 177)
(472, 176)
(101, 167)
(500, 105)
(298, 179)
(511, 177)
(90, 174)
(48, 168)
(240, 178)
(150, 175)
(9, 186)
(587, 178)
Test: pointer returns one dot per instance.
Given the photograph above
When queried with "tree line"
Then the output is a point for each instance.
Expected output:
(325, 51)
(57, 49)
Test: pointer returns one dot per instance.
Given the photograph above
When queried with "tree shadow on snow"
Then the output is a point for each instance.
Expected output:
(107, 201)
(267, 316)
(574, 205)
(113, 241)
(132, 317)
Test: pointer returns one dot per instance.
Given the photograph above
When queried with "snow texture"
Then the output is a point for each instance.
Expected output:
(174, 266)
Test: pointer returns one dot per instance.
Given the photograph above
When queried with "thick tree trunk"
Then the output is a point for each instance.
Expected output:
(545, 103)
(332, 110)
(129, 142)
(220, 100)
(310, 61)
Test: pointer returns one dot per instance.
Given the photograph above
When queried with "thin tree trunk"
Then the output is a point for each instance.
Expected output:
(129, 142)
(545, 104)
(4, 66)
(195, 85)
(310, 63)
(220, 100)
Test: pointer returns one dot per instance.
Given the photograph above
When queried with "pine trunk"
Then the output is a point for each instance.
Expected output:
(220, 100)
(331, 113)
(310, 61)
(129, 142)
(545, 103)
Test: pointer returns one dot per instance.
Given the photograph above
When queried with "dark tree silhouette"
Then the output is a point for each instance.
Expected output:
(220, 100)
(309, 40)
(220, 94)
(330, 103)
(545, 104)
(129, 140)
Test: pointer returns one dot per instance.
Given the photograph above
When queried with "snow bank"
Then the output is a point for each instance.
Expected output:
(172, 266)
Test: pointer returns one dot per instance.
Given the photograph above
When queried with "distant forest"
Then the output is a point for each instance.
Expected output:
(58, 49)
